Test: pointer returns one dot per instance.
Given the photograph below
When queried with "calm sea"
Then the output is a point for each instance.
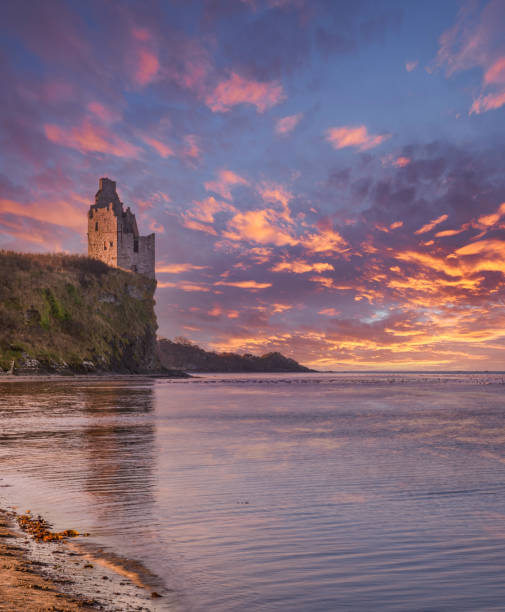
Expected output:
(277, 492)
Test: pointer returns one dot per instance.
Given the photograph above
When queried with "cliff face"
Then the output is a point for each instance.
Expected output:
(191, 357)
(67, 313)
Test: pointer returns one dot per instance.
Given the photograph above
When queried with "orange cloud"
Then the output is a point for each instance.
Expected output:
(225, 180)
(271, 192)
(287, 124)
(326, 240)
(329, 312)
(205, 212)
(396, 225)
(489, 220)
(251, 285)
(401, 162)
(60, 213)
(354, 136)
(429, 226)
(238, 90)
(184, 286)
(261, 226)
(300, 267)
(177, 268)
(90, 138)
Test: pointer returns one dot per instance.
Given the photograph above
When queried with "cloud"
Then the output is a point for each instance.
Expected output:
(48, 211)
(324, 241)
(354, 136)
(177, 268)
(410, 66)
(147, 68)
(476, 40)
(329, 312)
(488, 102)
(429, 226)
(191, 148)
(225, 180)
(288, 124)
(204, 212)
(261, 226)
(401, 162)
(163, 149)
(238, 90)
(108, 115)
(300, 266)
(492, 219)
(90, 138)
(184, 286)
(251, 285)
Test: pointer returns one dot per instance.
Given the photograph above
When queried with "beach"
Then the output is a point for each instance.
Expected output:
(44, 576)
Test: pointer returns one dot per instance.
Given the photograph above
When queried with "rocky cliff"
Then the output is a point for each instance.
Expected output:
(67, 313)
(191, 357)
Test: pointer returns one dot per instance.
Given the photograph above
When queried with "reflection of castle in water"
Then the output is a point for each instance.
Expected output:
(119, 443)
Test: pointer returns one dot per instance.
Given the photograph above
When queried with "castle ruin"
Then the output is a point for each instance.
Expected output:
(113, 236)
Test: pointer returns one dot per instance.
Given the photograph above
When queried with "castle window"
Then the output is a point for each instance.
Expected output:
(135, 246)
(104, 246)
(111, 243)
(96, 226)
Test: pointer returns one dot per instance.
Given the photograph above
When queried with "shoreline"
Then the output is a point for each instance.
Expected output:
(62, 576)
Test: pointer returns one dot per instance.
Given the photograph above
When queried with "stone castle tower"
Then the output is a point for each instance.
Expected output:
(113, 236)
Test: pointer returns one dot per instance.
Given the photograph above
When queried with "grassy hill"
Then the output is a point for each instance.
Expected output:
(190, 357)
(72, 313)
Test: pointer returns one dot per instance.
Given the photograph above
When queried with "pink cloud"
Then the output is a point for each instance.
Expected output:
(102, 112)
(191, 148)
(476, 40)
(87, 137)
(287, 124)
(354, 136)
(226, 179)
(147, 67)
(238, 90)
(410, 66)
(163, 149)
(488, 102)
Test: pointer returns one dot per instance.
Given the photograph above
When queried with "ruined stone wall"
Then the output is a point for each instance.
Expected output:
(103, 235)
(146, 256)
(136, 254)
(113, 235)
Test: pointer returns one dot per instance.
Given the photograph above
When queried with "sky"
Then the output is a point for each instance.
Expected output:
(324, 178)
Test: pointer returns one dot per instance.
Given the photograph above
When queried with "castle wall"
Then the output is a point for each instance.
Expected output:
(113, 235)
(102, 235)
(146, 255)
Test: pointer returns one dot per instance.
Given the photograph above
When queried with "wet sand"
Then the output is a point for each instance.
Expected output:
(58, 576)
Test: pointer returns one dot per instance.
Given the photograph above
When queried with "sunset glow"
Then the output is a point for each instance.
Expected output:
(325, 179)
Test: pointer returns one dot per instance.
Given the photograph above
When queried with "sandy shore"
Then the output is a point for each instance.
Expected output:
(60, 576)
